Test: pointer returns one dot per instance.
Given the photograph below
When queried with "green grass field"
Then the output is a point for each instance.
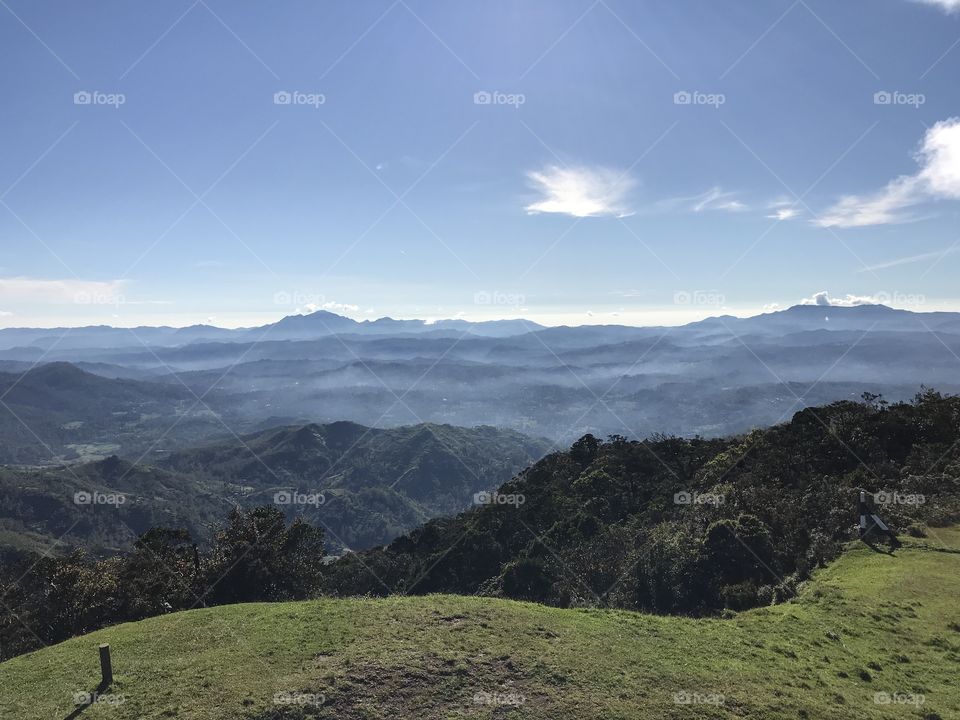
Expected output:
(870, 628)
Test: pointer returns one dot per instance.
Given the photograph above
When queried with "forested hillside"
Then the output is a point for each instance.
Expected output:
(684, 525)
(363, 485)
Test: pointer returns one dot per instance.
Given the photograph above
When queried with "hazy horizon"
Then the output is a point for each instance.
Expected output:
(665, 317)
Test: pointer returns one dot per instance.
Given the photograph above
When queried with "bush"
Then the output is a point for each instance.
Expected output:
(527, 579)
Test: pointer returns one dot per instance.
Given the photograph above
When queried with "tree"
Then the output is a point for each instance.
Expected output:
(740, 550)
(159, 575)
(256, 557)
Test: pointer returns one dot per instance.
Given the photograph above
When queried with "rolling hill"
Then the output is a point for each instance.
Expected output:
(874, 636)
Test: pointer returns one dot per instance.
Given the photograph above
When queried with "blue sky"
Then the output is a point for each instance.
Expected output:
(571, 162)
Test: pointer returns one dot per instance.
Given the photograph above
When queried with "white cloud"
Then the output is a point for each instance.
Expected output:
(823, 299)
(35, 291)
(783, 209)
(784, 214)
(717, 199)
(581, 191)
(948, 5)
(771, 307)
(938, 178)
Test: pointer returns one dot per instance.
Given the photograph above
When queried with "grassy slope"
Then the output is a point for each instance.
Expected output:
(427, 657)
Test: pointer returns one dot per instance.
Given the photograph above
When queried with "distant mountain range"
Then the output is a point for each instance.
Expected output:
(33, 343)
(292, 327)
(714, 377)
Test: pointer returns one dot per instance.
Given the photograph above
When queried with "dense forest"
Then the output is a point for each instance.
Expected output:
(690, 526)
(666, 525)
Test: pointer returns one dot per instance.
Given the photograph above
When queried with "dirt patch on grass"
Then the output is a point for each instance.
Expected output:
(433, 687)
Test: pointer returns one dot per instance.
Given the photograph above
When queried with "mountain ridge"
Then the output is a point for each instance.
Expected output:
(375, 483)
(322, 323)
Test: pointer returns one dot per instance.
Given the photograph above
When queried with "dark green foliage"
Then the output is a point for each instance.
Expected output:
(527, 579)
(739, 550)
(600, 525)
(256, 556)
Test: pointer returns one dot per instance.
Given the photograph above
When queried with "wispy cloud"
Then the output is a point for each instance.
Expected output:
(581, 191)
(717, 199)
(936, 255)
(948, 5)
(938, 178)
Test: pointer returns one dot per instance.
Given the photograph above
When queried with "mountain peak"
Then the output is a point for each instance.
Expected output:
(59, 373)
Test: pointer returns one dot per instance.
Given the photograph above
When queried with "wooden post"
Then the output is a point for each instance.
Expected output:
(862, 511)
(106, 666)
